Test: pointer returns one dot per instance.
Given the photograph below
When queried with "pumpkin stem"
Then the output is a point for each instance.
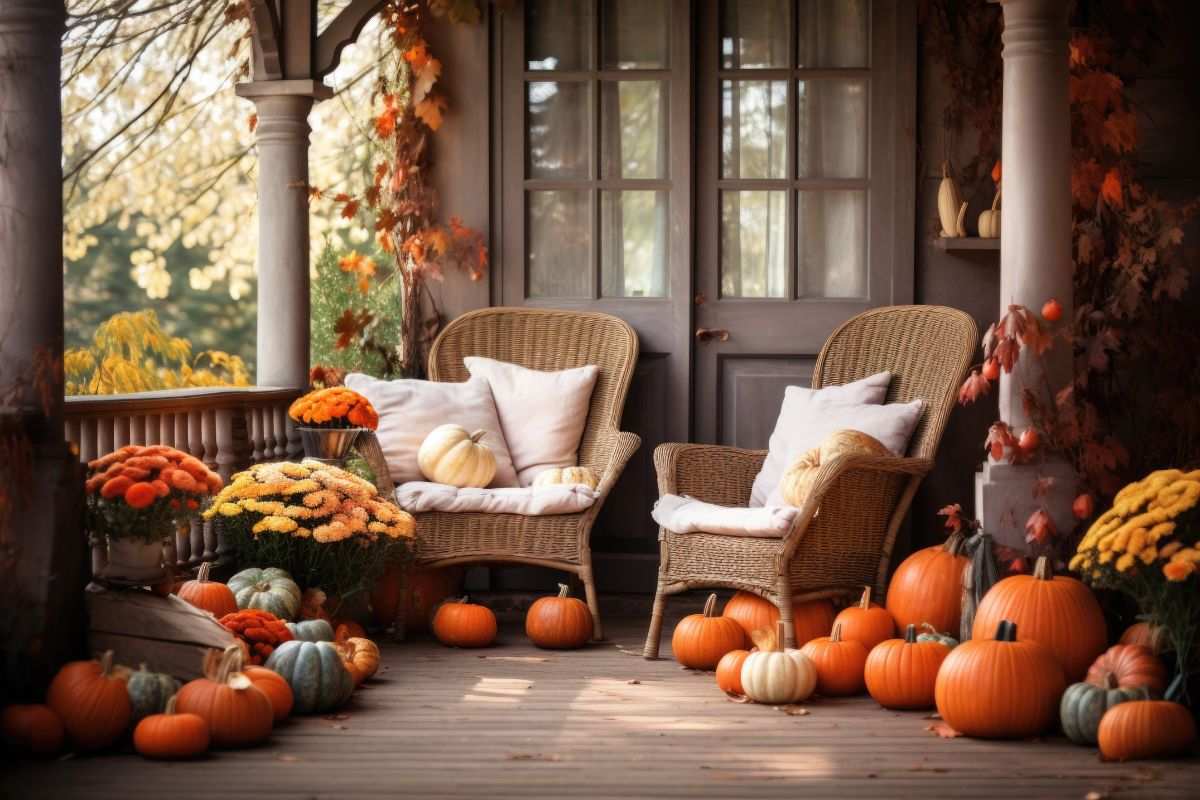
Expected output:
(925, 626)
(477, 435)
(1006, 631)
(910, 633)
(231, 662)
(710, 605)
(563, 590)
(780, 637)
(170, 707)
(865, 601)
(836, 635)
(954, 543)
(106, 663)
(996, 201)
(945, 169)
(202, 575)
(1043, 570)
(1110, 681)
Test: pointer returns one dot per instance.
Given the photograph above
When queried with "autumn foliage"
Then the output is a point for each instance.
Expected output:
(144, 491)
(334, 407)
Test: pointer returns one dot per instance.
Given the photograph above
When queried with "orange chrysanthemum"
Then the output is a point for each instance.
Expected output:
(337, 404)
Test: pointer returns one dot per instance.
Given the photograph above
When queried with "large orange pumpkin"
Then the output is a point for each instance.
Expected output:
(275, 687)
(1000, 687)
(211, 596)
(91, 699)
(900, 673)
(927, 587)
(1058, 611)
(412, 594)
(559, 623)
(1145, 729)
(729, 671)
(811, 618)
(237, 711)
(33, 729)
(700, 640)
(1129, 666)
(866, 622)
(458, 623)
(839, 663)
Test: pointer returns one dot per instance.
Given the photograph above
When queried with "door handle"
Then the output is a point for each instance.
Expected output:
(706, 334)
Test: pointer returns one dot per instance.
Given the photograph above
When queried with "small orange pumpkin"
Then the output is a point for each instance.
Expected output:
(458, 623)
(237, 711)
(91, 699)
(171, 735)
(1145, 729)
(1129, 666)
(729, 671)
(275, 687)
(810, 618)
(34, 729)
(560, 622)
(412, 594)
(700, 640)
(212, 596)
(927, 587)
(900, 673)
(1147, 635)
(866, 622)
(840, 663)
(360, 656)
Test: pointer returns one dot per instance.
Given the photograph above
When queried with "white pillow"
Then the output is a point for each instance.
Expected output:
(802, 409)
(541, 413)
(409, 409)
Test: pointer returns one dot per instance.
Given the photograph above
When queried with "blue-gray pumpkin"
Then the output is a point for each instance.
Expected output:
(311, 630)
(320, 681)
(149, 692)
(269, 589)
(1083, 705)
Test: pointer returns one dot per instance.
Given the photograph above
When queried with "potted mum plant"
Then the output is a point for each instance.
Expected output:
(330, 421)
(136, 498)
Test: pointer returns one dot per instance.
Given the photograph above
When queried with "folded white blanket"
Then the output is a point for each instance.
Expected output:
(530, 501)
(689, 515)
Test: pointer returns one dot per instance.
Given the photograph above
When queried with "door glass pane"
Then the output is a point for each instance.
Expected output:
(753, 129)
(754, 244)
(633, 34)
(633, 244)
(755, 33)
(832, 237)
(833, 33)
(831, 116)
(558, 129)
(558, 34)
(560, 243)
(633, 129)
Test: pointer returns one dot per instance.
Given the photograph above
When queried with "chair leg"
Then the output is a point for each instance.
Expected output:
(783, 599)
(589, 590)
(656, 620)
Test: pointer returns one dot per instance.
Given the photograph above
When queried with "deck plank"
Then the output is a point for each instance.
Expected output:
(600, 722)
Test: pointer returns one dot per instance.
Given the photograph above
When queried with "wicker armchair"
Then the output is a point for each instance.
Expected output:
(861, 499)
(546, 340)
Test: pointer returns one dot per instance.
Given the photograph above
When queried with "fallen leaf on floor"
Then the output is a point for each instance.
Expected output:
(634, 682)
(522, 659)
(534, 757)
(1095, 796)
(737, 698)
(943, 731)
(794, 710)
(336, 717)
(340, 727)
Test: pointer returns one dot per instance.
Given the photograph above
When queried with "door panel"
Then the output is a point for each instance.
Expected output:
(750, 393)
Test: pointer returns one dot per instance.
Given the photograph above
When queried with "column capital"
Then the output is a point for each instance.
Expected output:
(306, 87)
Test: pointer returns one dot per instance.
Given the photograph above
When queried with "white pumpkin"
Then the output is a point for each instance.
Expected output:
(989, 221)
(566, 475)
(454, 457)
(776, 677)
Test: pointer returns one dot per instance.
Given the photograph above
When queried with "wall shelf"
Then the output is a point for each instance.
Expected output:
(966, 243)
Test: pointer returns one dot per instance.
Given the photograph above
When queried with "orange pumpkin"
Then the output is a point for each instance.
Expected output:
(347, 629)
(1000, 687)
(458, 623)
(839, 662)
(1058, 611)
(811, 618)
(559, 623)
(33, 729)
(729, 671)
(927, 587)
(360, 657)
(900, 673)
(1147, 635)
(91, 699)
(1145, 729)
(866, 622)
(412, 594)
(171, 735)
(212, 596)
(700, 640)
(237, 711)
(275, 687)
(1129, 666)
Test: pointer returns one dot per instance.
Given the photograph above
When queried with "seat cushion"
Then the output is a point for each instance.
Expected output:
(684, 514)
(541, 413)
(410, 409)
(419, 496)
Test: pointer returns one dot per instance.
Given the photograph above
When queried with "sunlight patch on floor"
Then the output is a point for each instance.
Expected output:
(498, 690)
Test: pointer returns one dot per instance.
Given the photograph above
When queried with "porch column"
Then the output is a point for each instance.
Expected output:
(1035, 251)
(283, 248)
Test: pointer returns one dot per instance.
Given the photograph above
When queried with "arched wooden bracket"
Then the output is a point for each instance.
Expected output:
(264, 27)
(341, 32)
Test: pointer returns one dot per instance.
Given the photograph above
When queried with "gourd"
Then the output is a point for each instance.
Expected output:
(810, 619)
(454, 457)
(458, 623)
(989, 220)
(797, 479)
(1000, 687)
(212, 596)
(1143, 633)
(900, 673)
(171, 735)
(866, 622)
(149, 692)
(91, 700)
(839, 663)
(927, 587)
(1145, 729)
(1084, 704)
(360, 656)
(777, 677)
(931, 634)
(566, 475)
(700, 640)
(238, 713)
(34, 729)
(311, 630)
(952, 209)
(320, 681)
(277, 690)
(729, 671)
(1058, 611)
(1129, 665)
(559, 623)
(269, 589)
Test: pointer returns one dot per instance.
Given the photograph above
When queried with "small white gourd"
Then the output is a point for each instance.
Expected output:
(566, 475)
(454, 457)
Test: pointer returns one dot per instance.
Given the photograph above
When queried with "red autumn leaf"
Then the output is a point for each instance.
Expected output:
(942, 730)
(1007, 352)
(999, 439)
(1120, 131)
(1042, 486)
(1083, 507)
(252, 122)
(1039, 528)
(1110, 189)
(953, 515)
(350, 325)
(350, 209)
(996, 172)
(974, 387)
(1086, 176)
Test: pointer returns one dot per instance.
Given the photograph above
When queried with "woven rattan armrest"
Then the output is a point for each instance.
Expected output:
(708, 472)
(620, 447)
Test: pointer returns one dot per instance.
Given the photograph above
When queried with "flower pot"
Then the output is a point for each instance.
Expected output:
(134, 561)
(330, 445)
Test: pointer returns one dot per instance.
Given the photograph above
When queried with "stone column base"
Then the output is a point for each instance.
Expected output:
(1004, 498)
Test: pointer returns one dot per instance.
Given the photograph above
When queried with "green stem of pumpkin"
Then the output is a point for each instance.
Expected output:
(710, 605)
(954, 544)
(910, 633)
(1006, 631)
(170, 706)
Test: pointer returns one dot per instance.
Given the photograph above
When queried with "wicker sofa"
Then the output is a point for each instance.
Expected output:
(861, 500)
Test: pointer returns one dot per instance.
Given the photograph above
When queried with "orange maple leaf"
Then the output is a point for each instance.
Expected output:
(252, 121)
(430, 111)
(1120, 131)
(1110, 189)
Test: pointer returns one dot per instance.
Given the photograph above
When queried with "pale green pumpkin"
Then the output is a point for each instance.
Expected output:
(319, 680)
(1083, 705)
(269, 589)
(149, 692)
(311, 630)
(931, 634)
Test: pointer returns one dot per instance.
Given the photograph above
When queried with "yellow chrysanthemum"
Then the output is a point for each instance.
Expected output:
(1170, 549)
(229, 509)
(1125, 562)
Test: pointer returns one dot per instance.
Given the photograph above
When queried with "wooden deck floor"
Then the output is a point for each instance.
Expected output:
(513, 721)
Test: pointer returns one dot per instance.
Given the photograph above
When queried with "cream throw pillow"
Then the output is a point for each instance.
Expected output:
(410, 409)
(541, 413)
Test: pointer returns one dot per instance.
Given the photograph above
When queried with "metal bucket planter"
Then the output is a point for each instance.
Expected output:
(330, 445)
(134, 561)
